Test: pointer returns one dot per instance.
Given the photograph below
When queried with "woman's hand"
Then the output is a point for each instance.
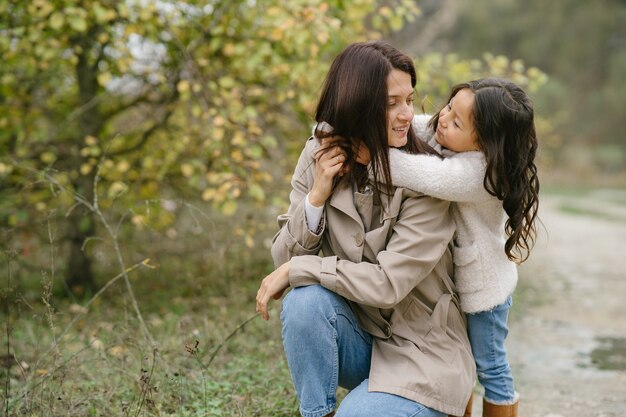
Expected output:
(272, 286)
(329, 161)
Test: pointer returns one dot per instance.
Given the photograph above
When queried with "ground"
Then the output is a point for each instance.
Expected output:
(567, 342)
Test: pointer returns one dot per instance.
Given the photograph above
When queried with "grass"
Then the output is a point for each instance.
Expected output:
(104, 366)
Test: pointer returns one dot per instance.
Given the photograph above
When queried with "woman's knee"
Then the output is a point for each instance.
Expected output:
(303, 306)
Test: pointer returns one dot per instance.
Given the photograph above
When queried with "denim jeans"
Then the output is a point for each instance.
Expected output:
(326, 348)
(487, 331)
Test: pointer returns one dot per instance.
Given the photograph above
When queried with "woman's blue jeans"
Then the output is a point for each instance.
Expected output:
(326, 348)
(487, 331)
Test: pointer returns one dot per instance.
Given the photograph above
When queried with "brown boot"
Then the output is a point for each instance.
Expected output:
(468, 407)
(497, 410)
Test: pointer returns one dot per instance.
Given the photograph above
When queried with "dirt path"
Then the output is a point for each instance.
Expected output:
(572, 317)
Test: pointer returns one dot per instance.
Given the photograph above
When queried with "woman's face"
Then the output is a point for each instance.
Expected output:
(455, 128)
(399, 107)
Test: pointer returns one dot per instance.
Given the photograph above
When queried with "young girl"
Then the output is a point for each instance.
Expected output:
(487, 135)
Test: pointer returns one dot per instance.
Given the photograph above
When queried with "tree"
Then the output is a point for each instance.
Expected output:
(156, 97)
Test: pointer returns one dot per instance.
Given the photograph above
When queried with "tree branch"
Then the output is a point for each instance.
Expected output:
(169, 110)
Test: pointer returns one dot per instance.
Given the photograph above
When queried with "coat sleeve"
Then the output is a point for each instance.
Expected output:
(457, 178)
(418, 240)
(294, 237)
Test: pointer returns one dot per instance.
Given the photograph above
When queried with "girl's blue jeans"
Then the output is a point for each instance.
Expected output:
(487, 331)
(326, 348)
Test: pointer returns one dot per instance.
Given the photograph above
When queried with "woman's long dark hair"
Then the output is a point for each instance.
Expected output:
(503, 118)
(354, 102)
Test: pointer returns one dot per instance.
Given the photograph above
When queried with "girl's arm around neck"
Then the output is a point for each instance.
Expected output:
(458, 178)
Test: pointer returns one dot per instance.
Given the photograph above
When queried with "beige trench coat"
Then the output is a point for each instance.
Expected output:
(396, 276)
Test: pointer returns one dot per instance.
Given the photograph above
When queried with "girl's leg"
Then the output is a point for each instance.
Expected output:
(487, 331)
(324, 345)
(361, 403)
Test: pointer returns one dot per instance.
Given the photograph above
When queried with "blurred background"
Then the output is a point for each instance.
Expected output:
(146, 148)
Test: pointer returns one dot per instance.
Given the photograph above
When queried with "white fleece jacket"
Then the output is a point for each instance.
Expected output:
(483, 274)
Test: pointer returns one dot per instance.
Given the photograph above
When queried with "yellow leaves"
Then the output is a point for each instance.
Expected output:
(118, 351)
(104, 78)
(322, 37)
(229, 49)
(218, 134)
(186, 170)
(40, 8)
(104, 37)
(277, 34)
(273, 11)
(226, 82)
(123, 166)
(122, 10)
(138, 221)
(209, 194)
(183, 86)
(238, 139)
(85, 168)
(308, 14)
(102, 14)
(117, 189)
(91, 140)
(257, 192)
(396, 22)
(92, 148)
(229, 208)
(48, 157)
(314, 50)
(5, 169)
(536, 78)
(237, 156)
(219, 121)
(56, 20)
(147, 13)
(385, 11)
(77, 18)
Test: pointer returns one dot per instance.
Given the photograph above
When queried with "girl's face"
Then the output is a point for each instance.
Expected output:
(399, 107)
(455, 128)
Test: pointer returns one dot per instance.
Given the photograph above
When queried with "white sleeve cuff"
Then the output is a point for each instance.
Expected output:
(313, 215)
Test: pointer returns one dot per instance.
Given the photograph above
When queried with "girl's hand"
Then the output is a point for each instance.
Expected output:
(329, 162)
(363, 156)
(272, 286)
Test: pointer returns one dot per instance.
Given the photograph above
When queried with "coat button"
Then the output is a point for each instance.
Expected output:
(358, 239)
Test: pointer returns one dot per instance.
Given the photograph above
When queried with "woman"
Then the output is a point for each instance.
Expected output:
(373, 307)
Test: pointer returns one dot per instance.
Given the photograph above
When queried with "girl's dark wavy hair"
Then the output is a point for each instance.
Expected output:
(503, 118)
(354, 102)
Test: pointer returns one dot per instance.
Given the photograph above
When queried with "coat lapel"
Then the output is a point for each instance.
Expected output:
(343, 200)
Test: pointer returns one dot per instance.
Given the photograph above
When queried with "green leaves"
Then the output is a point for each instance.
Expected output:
(210, 103)
(436, 73)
